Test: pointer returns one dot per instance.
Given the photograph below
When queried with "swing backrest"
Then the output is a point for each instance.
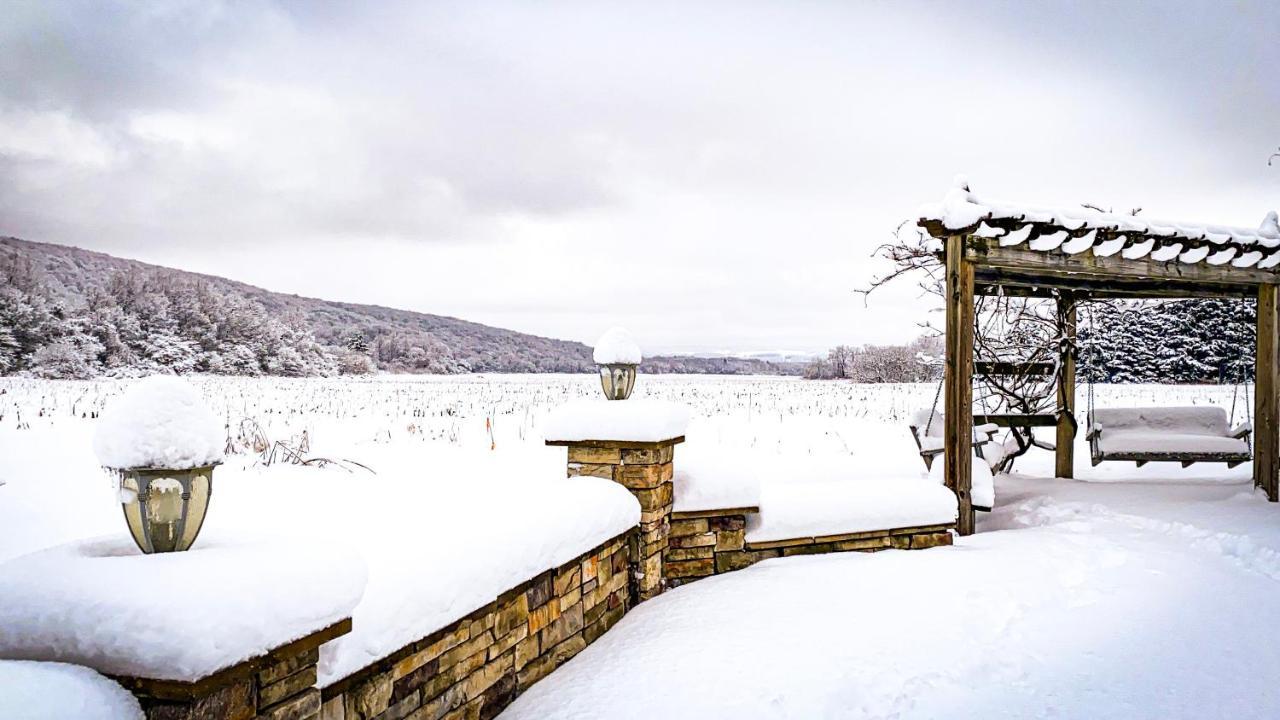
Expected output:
(921, 420)
(1206, 420)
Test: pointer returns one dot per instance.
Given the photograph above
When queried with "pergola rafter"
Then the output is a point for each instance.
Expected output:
(997, 248)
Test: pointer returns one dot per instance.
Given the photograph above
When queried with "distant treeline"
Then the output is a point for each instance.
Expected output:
(71, 313)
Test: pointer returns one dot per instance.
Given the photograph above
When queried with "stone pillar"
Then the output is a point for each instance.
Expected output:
(646, 469)
(277, 686)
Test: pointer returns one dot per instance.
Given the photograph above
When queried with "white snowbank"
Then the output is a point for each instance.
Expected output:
(1073, 612)
(57, 691)
(617, 346)
(982, 490)
(173, 616)
(618, 420)
(811, 509)
(445, 550)
(160, 421)
(714, 478)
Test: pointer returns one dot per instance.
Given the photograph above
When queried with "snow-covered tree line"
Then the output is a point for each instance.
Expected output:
(1172, 341)
(914, 362)
(139, 323)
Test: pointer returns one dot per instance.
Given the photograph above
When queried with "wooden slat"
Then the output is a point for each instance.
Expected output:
(1266, 464)
(1017, 420)
(1007, 367)
(1064, 447)
(958, 405)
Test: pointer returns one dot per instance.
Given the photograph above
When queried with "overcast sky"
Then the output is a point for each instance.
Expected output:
(713, 176)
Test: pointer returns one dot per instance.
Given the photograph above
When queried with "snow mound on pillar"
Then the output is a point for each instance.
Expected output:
(616, 346)
(160, 421)
(616, 420)
(43, 690)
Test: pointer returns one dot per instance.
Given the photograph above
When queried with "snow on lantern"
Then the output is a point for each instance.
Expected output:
(617, 354)
(162, 442)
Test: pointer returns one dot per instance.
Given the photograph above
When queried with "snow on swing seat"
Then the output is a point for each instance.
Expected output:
(1180, 434)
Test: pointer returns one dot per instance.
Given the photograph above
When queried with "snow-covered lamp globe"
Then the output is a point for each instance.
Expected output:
(617, 354)
(163, 442)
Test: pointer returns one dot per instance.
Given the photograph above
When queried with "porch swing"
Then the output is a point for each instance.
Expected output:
(1186, 435)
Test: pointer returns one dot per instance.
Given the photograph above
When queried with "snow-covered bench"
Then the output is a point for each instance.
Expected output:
(1168, 434)
(928, 429)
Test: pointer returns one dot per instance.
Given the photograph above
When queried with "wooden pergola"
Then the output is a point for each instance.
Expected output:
(1074, 254)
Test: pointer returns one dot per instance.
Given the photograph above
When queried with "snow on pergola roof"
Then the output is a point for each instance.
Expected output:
(1075, 230)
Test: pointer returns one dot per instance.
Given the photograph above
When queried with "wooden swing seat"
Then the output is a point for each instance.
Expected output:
(929, 435)
(1185, 435)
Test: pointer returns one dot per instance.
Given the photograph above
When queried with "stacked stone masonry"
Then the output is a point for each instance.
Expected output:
(702, 544)
(277, 686)
(475, 667)
(646, 469)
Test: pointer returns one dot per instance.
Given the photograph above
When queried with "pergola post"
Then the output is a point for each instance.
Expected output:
(1266, 433)
(1064, 447)
(958, 404)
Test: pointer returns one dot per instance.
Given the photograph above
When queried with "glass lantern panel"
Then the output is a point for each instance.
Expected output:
(164, 509)
(196, 507)
(133, 511)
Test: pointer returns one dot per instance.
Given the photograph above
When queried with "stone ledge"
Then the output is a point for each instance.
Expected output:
(725, 512)
(865, 535)
(183, 691)
(617, 444)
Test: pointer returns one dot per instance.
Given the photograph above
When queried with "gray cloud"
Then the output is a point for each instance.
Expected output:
(492, 161)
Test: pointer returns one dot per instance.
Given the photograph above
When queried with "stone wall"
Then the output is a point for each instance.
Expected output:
(647, 470)
(476, 666)
(701, 544)
(277, 686)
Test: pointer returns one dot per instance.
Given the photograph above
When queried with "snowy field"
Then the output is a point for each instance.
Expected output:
(1132, 593)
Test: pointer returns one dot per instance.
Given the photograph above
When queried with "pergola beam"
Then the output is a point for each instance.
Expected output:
(1113, 273)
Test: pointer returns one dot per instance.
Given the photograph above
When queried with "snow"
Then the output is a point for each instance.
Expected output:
(451, 548)
(57, 691)
(103, 604)
(708, 477)
(616, 346)
(982, 489)
(962, 209)
(634, 420)
(1076, 600)
(160, 421)
(1051, 626)
(849, 504)
(1203, 420)
(1075, 246)
(1166, 429)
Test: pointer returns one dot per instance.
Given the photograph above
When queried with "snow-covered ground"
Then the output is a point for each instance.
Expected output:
(1074, 600)
(1138, 592)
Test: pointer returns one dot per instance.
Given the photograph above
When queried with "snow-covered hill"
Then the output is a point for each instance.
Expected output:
(69, 312)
